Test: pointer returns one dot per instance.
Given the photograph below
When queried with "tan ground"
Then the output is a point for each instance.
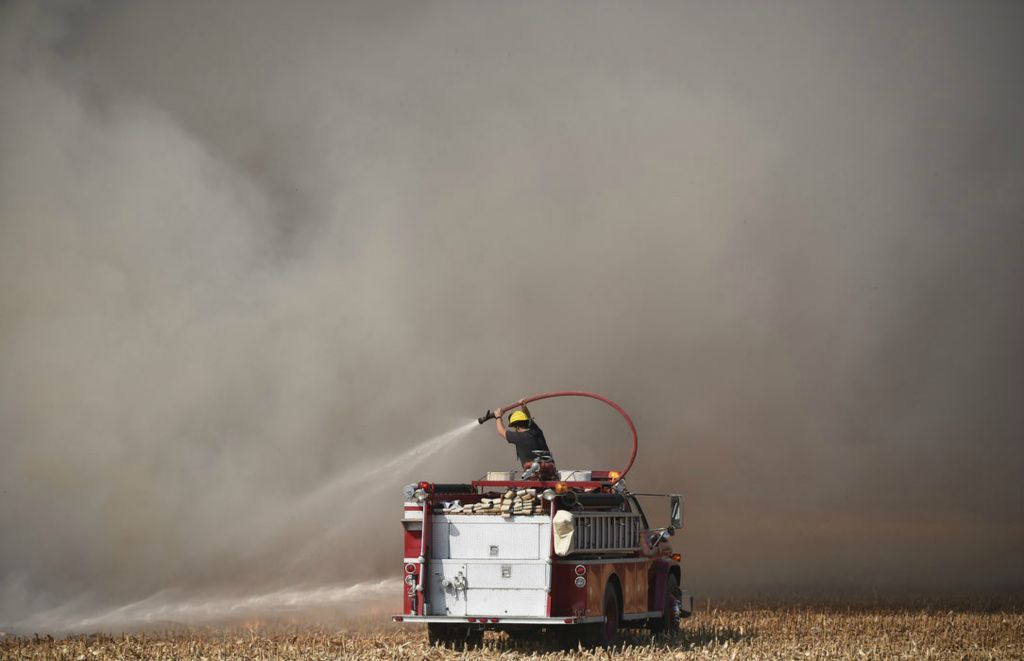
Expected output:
(731, 631)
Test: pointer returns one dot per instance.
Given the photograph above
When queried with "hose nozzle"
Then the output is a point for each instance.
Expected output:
(485, 417)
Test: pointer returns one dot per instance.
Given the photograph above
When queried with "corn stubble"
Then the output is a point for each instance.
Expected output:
(731, 631)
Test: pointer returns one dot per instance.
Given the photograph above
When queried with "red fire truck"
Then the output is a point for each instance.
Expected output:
(575, 557)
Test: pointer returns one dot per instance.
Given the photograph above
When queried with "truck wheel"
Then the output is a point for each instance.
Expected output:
(611, 618)
(439, 634)
(606, 634)
(523, 635)
(454, 636)
(669, 621)
(474, 639)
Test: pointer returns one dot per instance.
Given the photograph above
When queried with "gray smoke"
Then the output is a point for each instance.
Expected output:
(245, 246)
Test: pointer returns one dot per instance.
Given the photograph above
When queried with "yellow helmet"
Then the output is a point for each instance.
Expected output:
(517, 416)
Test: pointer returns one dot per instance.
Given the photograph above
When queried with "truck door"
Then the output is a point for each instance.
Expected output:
(447, 588)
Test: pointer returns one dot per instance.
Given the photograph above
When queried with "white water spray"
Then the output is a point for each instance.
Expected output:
(371, 475)
(171, 607)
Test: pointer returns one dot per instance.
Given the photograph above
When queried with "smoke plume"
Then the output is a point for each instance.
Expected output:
(248, 246)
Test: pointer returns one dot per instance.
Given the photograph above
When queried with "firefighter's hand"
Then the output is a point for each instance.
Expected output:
(497, 412)
(522, 402)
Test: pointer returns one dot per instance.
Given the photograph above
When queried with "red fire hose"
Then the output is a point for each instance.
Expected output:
(577, 393)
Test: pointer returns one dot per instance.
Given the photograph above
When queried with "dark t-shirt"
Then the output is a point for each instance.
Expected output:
(526, 442)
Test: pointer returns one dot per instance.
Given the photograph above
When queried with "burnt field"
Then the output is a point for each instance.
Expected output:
(968, 628)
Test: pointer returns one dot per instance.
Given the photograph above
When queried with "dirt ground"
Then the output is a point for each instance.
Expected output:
(979, 629)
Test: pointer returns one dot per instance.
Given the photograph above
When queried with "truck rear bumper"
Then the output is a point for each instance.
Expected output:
(540, 621)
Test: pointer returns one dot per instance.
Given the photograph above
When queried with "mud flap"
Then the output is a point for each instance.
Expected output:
(685, 604)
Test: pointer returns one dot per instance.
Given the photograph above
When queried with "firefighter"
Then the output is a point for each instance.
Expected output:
(531, 446)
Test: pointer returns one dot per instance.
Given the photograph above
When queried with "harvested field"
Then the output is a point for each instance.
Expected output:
(762, 630)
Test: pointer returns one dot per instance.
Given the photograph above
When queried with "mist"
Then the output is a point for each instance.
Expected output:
(246, 247)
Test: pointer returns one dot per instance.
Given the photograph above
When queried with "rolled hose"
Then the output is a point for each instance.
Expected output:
(579, 393)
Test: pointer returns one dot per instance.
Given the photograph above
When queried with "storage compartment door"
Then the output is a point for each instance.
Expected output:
(507, 589)
(507, 603)
(497, 539)
(446, 581)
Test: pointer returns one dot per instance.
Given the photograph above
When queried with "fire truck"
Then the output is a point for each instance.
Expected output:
(571, 556)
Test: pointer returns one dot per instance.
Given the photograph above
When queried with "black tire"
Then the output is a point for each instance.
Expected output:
(524, 635)
(454, 636)
(606, 634)
(668, 623)
(438, 634)
(569, 638)
(474, 639)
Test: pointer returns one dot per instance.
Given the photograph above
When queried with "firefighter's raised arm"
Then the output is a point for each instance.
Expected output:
(497, 420)
(522, 405)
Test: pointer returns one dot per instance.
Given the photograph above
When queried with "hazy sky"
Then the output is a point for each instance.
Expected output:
(246, 247)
